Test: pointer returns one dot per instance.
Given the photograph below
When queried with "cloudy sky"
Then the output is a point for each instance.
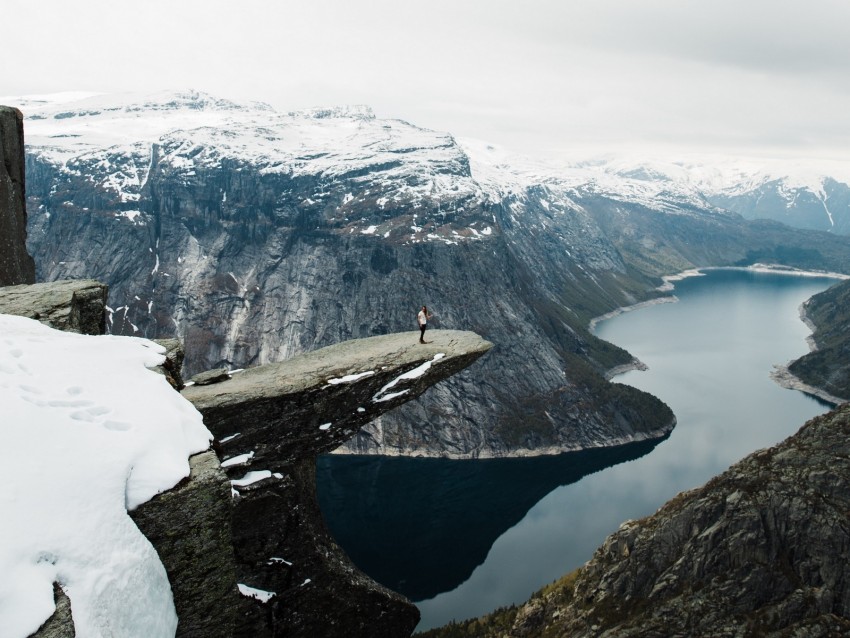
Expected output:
(537, 76)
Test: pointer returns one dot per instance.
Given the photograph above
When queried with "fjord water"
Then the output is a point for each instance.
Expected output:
(462, 538)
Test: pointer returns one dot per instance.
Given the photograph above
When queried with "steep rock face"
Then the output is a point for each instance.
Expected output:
(270, 423)
(16, 265)
(761, 550)
(190, 528)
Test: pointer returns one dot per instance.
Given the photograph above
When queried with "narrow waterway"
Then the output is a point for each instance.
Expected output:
(462, 538)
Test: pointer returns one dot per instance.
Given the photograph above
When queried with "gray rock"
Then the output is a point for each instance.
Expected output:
(189, 526)
(311, 403)
(69, 305)
(16, 265)
(211, 376)
(172, 367)
(60, 624)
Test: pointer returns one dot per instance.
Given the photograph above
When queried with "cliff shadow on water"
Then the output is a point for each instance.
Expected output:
(421, 526)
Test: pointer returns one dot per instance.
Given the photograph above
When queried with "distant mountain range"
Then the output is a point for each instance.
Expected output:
(254, 235)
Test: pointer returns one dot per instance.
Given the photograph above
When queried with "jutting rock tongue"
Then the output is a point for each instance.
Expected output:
(16, 265)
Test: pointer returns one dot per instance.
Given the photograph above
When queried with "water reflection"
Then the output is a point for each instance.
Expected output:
(421, 526)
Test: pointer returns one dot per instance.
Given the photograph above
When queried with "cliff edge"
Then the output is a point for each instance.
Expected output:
(270, 423)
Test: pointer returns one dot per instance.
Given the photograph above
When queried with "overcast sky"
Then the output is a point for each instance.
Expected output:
(536, 76)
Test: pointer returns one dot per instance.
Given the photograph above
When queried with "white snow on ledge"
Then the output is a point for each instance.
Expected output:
(251, 477)
(87, 433)
(349, 378)
(252, 592)
(417, 372)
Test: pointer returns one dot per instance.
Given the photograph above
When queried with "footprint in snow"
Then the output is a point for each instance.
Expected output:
(117, 426)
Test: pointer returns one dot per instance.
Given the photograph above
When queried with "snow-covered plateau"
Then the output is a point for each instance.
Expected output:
(89, 432)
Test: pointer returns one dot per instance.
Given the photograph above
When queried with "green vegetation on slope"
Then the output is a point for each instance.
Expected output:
(501, 622)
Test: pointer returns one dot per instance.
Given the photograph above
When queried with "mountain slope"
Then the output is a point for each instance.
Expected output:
(255, 235)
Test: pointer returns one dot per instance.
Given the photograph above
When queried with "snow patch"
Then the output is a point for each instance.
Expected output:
(238, 460)
(349, 378)
(109, 434)
(417, 372)
(252, 592)
(251, 477)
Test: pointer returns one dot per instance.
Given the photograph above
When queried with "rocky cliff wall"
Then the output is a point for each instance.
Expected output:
(16, 265)
(268, 235)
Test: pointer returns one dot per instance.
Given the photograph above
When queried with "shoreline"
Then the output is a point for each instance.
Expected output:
(784, 378)
(669, 285)
(552, 450)
(782, 375)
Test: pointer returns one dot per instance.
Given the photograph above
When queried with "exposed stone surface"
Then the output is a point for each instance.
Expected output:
(761, 550)
(70, 305)
(212, 533)
(211, 376)
(282, 546)
(189, 526)
(310, 404)
(60, 624)
(16, 265)
(172, 367)
(270, 423)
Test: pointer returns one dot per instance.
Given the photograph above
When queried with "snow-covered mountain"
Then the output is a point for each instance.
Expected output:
(117, 135)
(804, 193)
(254, 235)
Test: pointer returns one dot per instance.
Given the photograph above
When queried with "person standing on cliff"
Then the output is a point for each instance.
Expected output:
(422, 318)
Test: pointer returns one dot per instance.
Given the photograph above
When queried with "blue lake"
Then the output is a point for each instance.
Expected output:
(461, 538)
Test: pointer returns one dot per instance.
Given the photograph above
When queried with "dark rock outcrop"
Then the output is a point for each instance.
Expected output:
(16, 265)
(761, 550)
(189, 526)
(270, 423)
(310, 404)
(69, 305)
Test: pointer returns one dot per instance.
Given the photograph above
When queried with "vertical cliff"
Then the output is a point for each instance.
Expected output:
(16, 265)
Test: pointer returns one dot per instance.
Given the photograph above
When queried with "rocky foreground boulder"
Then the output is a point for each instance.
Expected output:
(761, 550)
